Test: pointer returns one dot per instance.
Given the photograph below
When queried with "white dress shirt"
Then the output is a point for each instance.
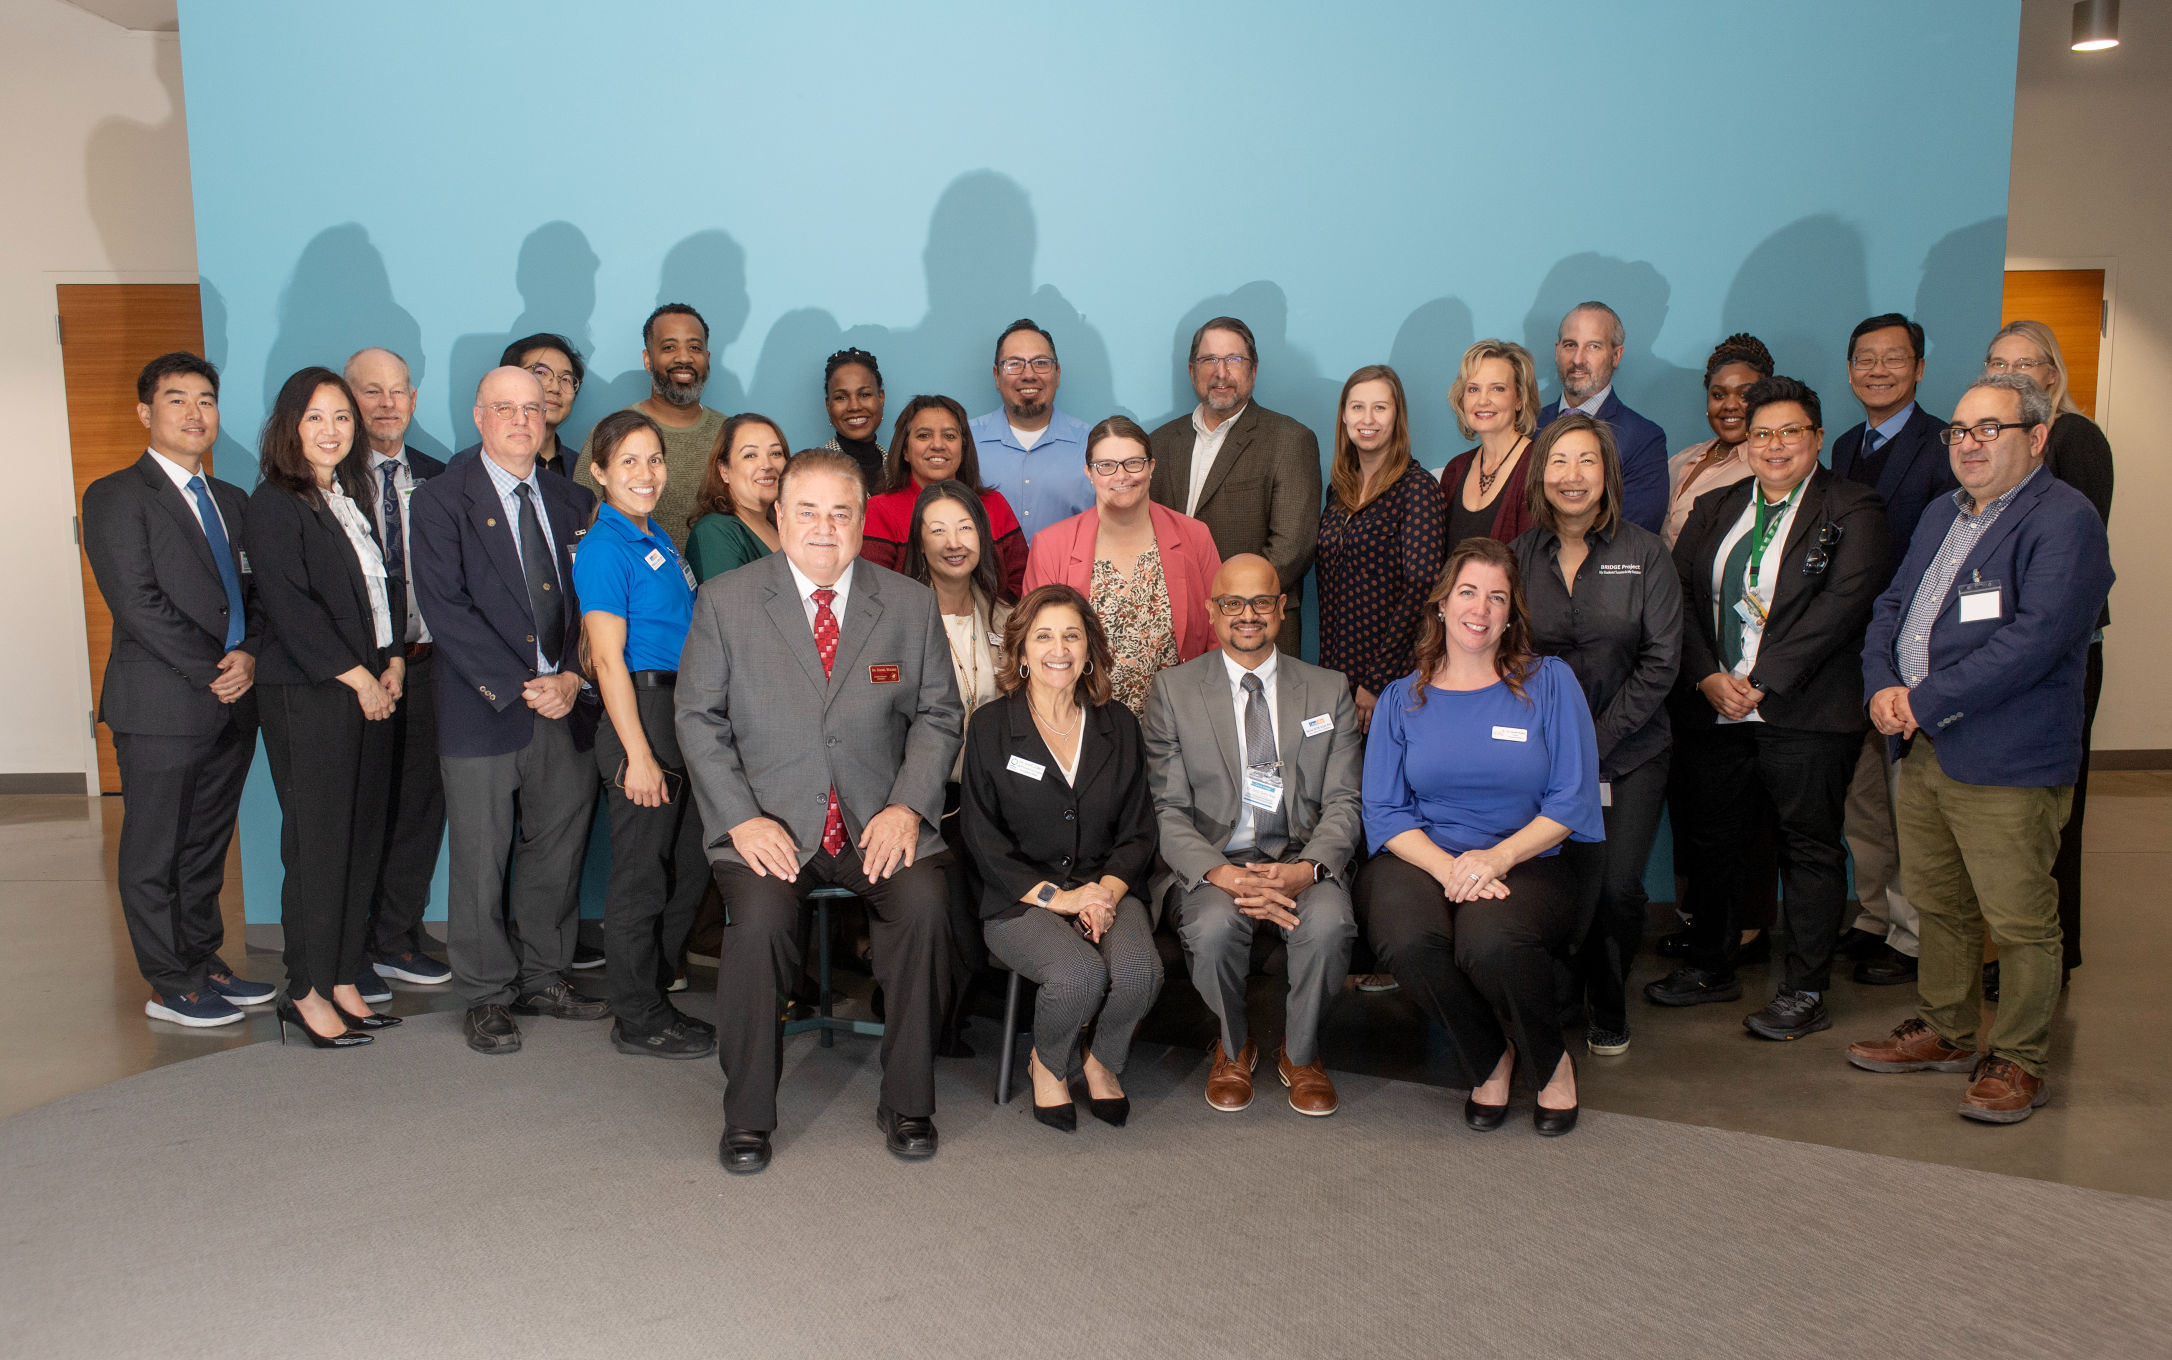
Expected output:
(1241, 837)
(1206, 447)
(806, 587)
(181, 476)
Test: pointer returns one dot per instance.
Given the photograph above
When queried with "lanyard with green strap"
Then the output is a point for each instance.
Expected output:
(1766, 528)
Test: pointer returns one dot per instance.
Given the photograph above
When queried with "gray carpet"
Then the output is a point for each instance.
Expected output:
(412, 1199)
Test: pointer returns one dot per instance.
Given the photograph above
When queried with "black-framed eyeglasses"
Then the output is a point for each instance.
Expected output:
(1983, 431)
(1233, 605)
(1108, 467)
(1041, 364)
(1820, 555)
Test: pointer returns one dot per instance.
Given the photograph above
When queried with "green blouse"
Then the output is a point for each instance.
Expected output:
(719, 543)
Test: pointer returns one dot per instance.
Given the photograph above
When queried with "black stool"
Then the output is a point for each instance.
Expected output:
(824, 1022)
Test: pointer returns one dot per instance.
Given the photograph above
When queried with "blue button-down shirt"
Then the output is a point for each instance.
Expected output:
(1889, 427)
(1912, 649)
(1045, 483)
(509, 494)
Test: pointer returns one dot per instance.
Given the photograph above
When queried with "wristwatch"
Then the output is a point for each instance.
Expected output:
(1319, 870)
(1044, 895)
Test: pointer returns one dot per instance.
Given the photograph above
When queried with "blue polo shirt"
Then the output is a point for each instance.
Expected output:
(640, 578)
(1044, 484)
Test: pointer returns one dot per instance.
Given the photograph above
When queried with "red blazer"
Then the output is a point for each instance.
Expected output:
(1511, 515)
(1063, 553)
(890, 519)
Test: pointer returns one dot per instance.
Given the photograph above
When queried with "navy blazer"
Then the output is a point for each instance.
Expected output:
(2003, 701)
(1917, 471)
(1643, 449)
(469, 586)
(317, 616)
(153, 564)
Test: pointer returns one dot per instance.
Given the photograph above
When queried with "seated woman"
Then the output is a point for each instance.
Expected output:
(932, 444)
(1060, 825)
(1146, 569)
(327, 677)
(852, 397)
(637, 602)
(1479, 766)
(735, 517)
(1496, 402)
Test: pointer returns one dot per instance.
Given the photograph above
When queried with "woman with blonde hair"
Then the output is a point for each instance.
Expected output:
(1496, 402)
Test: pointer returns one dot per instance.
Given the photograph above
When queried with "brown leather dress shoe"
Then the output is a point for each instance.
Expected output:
(1310, 1090)
(1229, 1084)
(2002, 1093)
(1912, 1047)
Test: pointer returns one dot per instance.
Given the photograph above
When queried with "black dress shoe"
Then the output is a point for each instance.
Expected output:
(1110, 1112)
(366, 1020)
(1886, 968)
(912, 1136)
(1553, 1123)
(1484, 1118)
(1858, 944)
(1062, 1118)
(560, 1000)
(743, 1151)
(490, 1029)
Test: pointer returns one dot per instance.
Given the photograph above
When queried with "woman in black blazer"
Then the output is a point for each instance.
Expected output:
(327, 679)
(1060, 825)
(1779, 574)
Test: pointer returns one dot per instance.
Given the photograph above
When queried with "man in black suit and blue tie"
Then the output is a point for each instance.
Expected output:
(1587, 349)
(168, 547)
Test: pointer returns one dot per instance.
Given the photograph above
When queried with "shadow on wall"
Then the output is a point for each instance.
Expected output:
(1951, 308)
(1653, 387)
(128, 164)
(230, 460)
(1428, 350)
(1801, 290)
(555, 275)
(338, 300)
(1288, 379)
(708, 272)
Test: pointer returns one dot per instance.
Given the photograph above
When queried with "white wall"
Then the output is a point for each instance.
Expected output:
(2092, 184)
(95, 164)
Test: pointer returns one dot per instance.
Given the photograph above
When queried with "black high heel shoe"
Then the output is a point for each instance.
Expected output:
(366, 1020)
(1484, 1118)
(1110, 1112)
(1553, 1123)
(290, 1014)
(1064, 1117)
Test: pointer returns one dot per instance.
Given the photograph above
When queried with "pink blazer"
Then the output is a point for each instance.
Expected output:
(1063, 554)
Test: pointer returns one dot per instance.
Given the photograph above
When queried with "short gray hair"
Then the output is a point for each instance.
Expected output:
(347, 370)
(2035, 401)
(1619, 337)
(830, 461)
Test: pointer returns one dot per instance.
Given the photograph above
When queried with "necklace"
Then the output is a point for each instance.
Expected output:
(968, 669)
(1485, 478)
(1050, 723)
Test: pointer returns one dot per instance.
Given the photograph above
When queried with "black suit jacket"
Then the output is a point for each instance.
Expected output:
(153, 564)
(1022, 829)
(317, 621)
(1917, 471)
(469, 585)
(1810, 662)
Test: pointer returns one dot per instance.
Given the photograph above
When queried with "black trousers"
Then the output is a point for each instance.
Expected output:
(178, 799)
(2066, 869)
(332, 770)
(968, 948)
(1805, 774)
(1617, 927)
(414, 819)
(659, 872)
(1472, 965)
(908, 923)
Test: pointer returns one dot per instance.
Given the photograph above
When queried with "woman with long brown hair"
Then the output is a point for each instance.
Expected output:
(735, 516)
(1482, 813)
(933, 442)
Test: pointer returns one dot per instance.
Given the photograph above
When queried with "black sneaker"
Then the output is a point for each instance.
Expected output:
(1790, 1016)
(1690, 985)
(672, 1041)
(685, 1021)
(586, 956)
(560, 1000)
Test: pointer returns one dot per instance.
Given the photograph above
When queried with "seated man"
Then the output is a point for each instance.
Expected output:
(1253, 756)
(819, 719)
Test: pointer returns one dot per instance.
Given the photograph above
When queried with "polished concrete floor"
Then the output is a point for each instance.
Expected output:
(73, 1016)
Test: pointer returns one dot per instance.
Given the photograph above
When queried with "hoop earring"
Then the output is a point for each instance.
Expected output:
(1089, 666)
(1022, 670)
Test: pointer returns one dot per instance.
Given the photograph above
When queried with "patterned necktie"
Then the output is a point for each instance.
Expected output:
(825, 630)
(395, 539)
(1270, 830)
(222, 553)
(541, 568)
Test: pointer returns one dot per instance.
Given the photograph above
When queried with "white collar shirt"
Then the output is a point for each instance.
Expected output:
(1206, 447)
(1242, 836)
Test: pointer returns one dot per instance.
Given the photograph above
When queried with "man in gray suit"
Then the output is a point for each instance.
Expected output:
(1254, 758)
(819, 719)
(1251, 475)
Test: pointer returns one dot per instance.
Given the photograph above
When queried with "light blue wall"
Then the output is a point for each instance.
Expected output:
(1361, 182)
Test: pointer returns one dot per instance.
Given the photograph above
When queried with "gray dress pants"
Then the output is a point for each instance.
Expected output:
(1218, 941)
(1116, 980)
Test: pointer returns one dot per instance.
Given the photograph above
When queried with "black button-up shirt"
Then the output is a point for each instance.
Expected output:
(1620, 632)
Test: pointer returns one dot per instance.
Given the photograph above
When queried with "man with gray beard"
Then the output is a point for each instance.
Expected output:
(675, 351)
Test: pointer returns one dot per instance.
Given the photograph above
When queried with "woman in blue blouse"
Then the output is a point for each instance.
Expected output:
(1481, 809)
(637, 601)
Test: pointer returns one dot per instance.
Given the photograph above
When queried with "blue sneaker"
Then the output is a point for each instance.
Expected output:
(198, 1010)
(372, 987)
(239, 991)
(409, 966)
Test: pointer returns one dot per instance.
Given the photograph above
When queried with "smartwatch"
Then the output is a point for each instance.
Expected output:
(1044, 894)
(1319, 870)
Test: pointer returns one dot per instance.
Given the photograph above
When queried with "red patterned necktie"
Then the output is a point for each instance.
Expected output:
(825, 629)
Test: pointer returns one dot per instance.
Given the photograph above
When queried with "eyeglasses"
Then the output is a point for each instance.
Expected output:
(1011, 368)
(1786, 434)
(1899, 361)
(555, 377)
(1107, 467)
(1235, 363)
(2014, 365)
(528, 410)
(1233, 605)
(1983, 431)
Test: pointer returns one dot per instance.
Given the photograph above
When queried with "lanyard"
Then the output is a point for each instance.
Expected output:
(1766, 528)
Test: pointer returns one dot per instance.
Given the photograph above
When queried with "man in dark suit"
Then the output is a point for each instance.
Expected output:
(1973, 667)
(1251, 475)
(493, 543)
(1896, 452)
(169, 549)
(415, 820)
(1214, 726)
(1587, 350)
(819, 718)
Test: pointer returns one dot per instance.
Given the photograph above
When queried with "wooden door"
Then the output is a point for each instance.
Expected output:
(108, 332)
(2071, 302)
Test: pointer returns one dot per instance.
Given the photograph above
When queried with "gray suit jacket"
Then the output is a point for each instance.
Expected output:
(1261, 496)
(1193, 750)
(764, 735)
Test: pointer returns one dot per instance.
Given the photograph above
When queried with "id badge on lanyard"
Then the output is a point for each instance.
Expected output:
(1263, 787)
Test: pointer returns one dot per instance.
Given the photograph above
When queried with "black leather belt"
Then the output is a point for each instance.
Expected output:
(655, 679)
(416, 651)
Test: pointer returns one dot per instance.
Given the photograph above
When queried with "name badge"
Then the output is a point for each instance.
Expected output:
(1263, 789)
(882, 675)
(1318, 723)
(655, 559)
(1981, 603)
(1511, 734)
(686, 573)
(1021, 765)
(1606, 793)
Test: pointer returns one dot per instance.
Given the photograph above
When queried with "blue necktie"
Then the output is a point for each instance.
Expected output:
(222, 553)
(395, 538)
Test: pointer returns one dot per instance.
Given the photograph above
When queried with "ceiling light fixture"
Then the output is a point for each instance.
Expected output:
(2096, 25)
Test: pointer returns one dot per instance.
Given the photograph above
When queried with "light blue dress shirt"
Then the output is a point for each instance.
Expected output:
(1045, 483)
